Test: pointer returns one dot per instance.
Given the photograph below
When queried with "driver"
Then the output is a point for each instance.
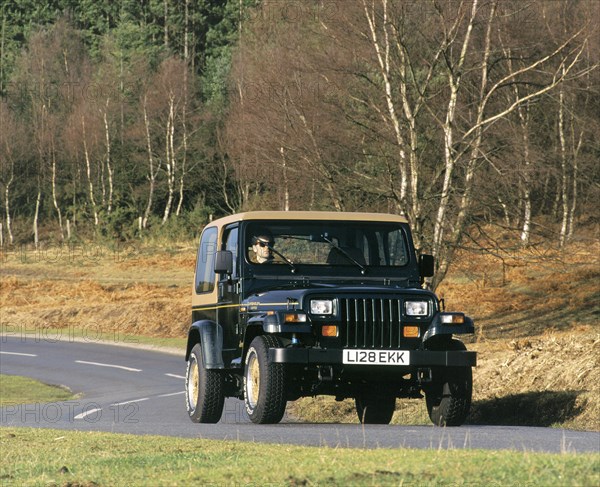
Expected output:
(261, 246)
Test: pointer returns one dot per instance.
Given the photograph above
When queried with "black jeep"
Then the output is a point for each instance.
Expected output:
(294, 304)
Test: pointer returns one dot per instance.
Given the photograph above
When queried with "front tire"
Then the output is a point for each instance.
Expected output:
(204, 390)
(448, 398)
(375, 409)
(264, 382)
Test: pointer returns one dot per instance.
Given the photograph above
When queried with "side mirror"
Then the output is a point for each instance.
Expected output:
(224, 262)
(426, 265)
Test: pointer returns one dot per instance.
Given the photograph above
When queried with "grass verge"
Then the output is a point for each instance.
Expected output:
(97, 459)
(23, 390)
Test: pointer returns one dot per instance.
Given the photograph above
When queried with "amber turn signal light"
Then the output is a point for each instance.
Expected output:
(452, 318)
(294, 318)
(411, 331)
(329, 331)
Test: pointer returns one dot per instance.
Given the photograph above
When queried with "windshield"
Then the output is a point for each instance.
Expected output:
(325, 243)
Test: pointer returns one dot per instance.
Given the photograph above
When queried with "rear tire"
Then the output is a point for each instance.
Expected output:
(204, 390)
(265, 394)
(374, 409)
(448, 397)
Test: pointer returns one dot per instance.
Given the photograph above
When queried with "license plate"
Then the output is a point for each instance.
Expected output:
(376, 357)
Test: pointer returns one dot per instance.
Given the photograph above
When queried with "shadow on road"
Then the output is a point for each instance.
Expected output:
(543, 408)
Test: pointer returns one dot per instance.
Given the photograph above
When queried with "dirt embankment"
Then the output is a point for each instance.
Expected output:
(551, 379)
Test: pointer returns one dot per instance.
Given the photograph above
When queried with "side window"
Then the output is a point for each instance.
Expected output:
(231, 244)
(205, 261)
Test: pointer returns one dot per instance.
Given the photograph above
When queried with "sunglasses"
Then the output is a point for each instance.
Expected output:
(264, 244)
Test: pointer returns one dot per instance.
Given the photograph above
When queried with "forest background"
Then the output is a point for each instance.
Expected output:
(477, 119)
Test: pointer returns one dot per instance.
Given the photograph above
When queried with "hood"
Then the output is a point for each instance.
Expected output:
(296, 298)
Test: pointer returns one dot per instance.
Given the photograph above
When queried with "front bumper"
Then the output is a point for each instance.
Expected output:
(418, 358)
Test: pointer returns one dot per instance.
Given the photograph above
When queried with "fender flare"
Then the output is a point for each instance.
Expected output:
(438, 328)
(210, 336)
(271, 324)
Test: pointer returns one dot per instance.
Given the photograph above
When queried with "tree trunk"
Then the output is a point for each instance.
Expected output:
(286, 189)
(7, 209)
(2, 36)
(526, 229)
(181, 180)
(186, 33)
(458, 226)
(152, 173)
(526, 179)
(36, 236)
(89, 174)
(54, 199)
(170, 157)
(505, 211)
(575, 177)
(454, 79)
(563, 166)
(382, 53)
(182, 173)
(166, 26)
(109, 167)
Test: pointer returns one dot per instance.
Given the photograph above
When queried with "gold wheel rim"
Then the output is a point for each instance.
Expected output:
(253, 380)
(193, 384)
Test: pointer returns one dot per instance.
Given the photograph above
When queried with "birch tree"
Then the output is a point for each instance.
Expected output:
(154, 164)
(423, 85)
(12, 151)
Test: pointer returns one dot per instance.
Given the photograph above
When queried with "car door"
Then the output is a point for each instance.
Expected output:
(229, 294)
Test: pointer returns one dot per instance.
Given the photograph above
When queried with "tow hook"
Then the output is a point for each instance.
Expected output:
(326, 373)
(424, 375)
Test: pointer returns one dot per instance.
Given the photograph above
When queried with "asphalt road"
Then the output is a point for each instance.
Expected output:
(130, 390)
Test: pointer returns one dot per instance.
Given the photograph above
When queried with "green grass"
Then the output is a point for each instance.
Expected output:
(49, 457)
(23, 390)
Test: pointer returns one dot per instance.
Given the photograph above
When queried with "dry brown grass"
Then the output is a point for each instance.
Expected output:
(149, 310)
(527, 293)
(545, 380)
(146, 293)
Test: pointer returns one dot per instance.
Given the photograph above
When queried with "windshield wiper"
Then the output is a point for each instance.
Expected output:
(344, 253)
(276, 252)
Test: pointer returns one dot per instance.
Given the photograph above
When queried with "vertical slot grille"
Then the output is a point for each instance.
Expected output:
(371, 322)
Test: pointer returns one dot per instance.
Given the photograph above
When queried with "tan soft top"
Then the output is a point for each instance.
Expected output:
(309, 215)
